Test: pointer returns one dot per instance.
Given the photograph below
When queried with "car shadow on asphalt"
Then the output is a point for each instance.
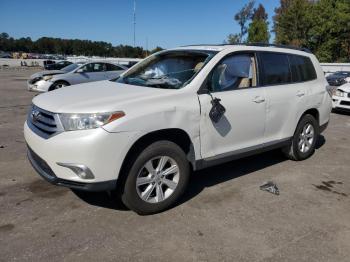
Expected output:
(201, 179)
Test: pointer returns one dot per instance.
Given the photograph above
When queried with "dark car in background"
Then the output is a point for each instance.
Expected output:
(339, 78)
(57, 66)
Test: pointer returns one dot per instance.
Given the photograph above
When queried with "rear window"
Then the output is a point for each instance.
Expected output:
(275, 69)
(302, 68)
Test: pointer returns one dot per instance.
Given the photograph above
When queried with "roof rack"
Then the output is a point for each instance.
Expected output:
(259, 44)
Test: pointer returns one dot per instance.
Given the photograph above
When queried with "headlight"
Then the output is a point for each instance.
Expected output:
(72, 122)
(339, 93)
(47, 77)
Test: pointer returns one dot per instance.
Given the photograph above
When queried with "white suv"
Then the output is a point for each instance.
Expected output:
(178, 110)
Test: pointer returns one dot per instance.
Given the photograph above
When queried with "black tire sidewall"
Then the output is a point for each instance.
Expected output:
(54, 86)
(307, 119)
(130, 196)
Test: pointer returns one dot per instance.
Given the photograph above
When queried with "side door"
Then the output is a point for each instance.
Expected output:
(90, 72)
(234, 81)
(113, 71)
(286, 95)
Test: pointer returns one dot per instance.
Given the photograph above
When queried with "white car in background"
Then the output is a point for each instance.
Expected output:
(341, 97)
(74, 74)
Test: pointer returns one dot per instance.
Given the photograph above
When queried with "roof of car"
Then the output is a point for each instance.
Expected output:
(261, 46)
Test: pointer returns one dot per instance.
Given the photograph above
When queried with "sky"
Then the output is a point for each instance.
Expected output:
(158, 22)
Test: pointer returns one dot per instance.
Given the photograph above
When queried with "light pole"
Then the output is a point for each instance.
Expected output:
(134, 23)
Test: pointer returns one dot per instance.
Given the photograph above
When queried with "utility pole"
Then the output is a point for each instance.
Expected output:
(134, 23)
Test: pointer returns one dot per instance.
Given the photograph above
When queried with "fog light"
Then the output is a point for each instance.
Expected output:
(80, 170)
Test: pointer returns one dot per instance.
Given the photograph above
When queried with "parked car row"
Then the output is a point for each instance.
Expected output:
(184, 109)
(339, 78)
(72, 74)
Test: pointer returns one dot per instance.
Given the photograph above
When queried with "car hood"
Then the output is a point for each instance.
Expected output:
(345, 88)
(333, 77)
(100, 96)
(46, 73)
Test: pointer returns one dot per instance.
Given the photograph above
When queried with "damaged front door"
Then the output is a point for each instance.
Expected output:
(242, 124)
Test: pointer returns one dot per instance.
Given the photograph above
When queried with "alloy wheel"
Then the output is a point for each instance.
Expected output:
(306, 138)
(157, 179)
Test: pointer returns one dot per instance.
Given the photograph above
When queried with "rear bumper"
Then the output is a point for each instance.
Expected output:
(43, 169)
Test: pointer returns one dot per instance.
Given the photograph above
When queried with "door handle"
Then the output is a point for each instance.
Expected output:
(300, 93)
(258, 99)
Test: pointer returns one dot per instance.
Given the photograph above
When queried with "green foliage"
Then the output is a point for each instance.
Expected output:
(323, 26)
(258, 31)
(48, 45)
(233, 39)
(243, 16)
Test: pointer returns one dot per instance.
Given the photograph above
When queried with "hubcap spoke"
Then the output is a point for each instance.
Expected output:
(159, 192)
(149, 167)
(163, 160)
(171, 170)
(171, 184)
(143, 181)
(146, 194)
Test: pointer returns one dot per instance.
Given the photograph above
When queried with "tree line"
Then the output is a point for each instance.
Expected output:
(49, 45)
(323, 26)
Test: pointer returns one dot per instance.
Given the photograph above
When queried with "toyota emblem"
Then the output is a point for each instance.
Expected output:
(35, 115)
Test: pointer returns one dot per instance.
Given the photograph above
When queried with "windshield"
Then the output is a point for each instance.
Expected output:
(169, 69)
(69, 68)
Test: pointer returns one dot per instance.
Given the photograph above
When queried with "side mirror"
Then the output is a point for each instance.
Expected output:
(217, 111)
(80, 70)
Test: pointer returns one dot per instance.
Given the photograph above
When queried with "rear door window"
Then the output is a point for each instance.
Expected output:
(111, 67)
(275, 69)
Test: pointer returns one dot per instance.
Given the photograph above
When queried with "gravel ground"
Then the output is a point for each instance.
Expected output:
(223, 217)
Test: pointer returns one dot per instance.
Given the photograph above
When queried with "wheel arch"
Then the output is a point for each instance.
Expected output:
(312, 111)
(57, 81)
(176, 135)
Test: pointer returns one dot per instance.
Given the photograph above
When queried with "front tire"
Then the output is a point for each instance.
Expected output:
(304, 139)
(157, 178)
(58, 85)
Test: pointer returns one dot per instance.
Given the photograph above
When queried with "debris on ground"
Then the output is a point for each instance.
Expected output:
(270, 187)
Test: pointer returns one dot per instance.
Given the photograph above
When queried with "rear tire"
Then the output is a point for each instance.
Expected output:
(304, 139)
(156, 179)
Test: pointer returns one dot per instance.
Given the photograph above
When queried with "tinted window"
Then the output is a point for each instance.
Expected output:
(275, 69)
(234, 72)
(94, 67)
(111, 67)
(302, 68)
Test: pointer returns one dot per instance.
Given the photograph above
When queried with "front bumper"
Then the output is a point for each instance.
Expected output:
(102, 152)
(39, 86)
(341, 102)
(42, 168)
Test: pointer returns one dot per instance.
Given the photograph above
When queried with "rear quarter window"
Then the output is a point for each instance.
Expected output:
(302, 68)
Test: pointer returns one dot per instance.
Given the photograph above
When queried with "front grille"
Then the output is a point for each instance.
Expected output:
(43, 122)
(345, 103)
